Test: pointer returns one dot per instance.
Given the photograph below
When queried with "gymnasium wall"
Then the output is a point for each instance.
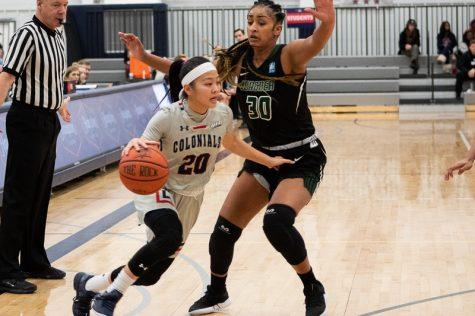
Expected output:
(103, 121)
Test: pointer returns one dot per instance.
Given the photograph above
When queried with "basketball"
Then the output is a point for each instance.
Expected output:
(145, 171)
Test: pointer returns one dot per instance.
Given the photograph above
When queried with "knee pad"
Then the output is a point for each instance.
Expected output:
(168, 232)
(167, 228)
(221, 245)
(279, 230)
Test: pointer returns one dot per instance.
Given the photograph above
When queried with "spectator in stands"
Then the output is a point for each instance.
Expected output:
(83, 74)
(466, 69)
(72, 74)
(409, 43)
(87, 66)
(239, 35)
(469, 34)
(446, 42)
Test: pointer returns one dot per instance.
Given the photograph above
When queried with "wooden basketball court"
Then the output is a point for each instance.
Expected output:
(385, 234)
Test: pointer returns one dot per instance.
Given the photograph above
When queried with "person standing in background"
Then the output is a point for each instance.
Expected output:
(36, 63)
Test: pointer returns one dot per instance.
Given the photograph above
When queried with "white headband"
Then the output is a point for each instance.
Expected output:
(195, 73)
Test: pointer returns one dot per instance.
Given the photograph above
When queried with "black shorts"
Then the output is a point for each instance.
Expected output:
(310, 160)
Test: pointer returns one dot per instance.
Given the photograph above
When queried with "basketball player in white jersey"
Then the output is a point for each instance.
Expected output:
(190, 132)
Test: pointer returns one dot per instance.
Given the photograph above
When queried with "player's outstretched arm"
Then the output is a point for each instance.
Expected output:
(239, 147)
(136, 49)
(298, 53)
(462, 165)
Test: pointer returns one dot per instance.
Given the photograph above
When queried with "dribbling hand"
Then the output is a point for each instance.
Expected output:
(137, 144)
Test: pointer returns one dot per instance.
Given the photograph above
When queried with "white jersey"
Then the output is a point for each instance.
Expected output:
(191, 147)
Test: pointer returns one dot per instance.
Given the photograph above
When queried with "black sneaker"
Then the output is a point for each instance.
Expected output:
(211, 302)
(15, 286)
(104, 303)
(82, 300)
(49, 274)
(314, 300)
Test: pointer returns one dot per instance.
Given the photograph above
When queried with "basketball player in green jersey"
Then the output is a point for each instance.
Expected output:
(272, 97)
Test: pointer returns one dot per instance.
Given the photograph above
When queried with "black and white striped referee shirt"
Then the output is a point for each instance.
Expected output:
(37, 58)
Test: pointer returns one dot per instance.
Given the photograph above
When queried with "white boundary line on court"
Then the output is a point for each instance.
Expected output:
(464, 140)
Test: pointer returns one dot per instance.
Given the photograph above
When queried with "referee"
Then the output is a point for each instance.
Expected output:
(35, 62)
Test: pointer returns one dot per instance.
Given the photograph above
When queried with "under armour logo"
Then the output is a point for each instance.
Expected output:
(182, 128)
(141, 266)
(270, 211)
(224, 229)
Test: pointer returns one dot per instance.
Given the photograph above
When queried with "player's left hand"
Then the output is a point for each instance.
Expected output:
(276, 162)
(461, 165)
(63, 110)
(324, 10)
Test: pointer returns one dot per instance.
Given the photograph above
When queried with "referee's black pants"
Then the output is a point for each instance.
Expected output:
(32, 133)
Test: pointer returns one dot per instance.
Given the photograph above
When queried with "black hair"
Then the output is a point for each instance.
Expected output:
(442, 28)
(239, 30)
(189, 65)
(227, 59)
(406, 29)
(275, 8)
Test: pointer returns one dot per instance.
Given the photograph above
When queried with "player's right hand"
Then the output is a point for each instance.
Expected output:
(133, 44)
(461, 165)
(137, 144)
(276, 162)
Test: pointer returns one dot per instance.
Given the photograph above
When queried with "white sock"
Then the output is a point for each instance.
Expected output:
(98, 283)
(121, 282)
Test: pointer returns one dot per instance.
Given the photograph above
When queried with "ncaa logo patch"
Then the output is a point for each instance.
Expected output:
(272, 67)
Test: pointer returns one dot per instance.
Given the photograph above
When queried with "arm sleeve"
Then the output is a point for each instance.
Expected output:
(19, 52)
(418, 38)
(464, 65)
(158, 126)
(440, 46)
(402, 43)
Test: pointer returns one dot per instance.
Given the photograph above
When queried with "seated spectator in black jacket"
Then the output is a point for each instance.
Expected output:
(446, 42)
(409, 43)
(466, 69)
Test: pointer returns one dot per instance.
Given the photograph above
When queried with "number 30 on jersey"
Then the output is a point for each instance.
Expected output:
(259, 107)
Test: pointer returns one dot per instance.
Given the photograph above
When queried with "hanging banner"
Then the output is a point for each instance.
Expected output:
(299, 18)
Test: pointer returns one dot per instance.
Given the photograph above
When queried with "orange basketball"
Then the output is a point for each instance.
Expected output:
(145, 171)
